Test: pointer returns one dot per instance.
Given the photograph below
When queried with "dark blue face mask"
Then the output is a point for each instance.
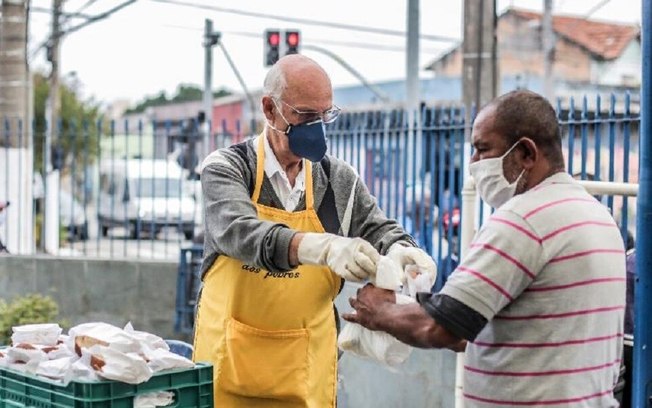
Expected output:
(308, 140)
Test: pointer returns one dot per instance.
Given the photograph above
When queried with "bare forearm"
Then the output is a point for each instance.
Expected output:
(412, 325)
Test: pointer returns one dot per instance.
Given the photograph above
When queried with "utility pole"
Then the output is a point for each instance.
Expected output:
(412, 56)
(414, 143)
(479, 67)
(210, 39)
(13, 71)
(548, 51)
(15, 113)
(642, 375)
(50, 239)
(479, 86)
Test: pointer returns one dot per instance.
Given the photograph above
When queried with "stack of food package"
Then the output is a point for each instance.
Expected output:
(90, 352)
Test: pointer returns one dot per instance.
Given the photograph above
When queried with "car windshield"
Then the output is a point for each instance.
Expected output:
(157, 187)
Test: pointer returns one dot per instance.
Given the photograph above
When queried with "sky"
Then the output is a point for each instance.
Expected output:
(152, 46)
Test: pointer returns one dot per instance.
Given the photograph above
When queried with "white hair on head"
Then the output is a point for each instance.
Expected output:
(274, 83)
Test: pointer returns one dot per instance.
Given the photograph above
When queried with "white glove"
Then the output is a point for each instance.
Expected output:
(411, 258)
(354, 259)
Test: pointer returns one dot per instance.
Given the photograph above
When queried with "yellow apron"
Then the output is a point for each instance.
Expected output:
(271, 336)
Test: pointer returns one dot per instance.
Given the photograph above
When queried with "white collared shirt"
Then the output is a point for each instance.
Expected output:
(288, 195)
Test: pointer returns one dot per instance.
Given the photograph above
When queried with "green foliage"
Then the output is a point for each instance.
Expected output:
(27, 309)
(77, 132)
(184, 93)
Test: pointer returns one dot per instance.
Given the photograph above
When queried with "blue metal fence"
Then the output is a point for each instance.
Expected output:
(131, 190)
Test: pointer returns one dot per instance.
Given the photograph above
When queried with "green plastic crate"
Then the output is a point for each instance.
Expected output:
(192, 388)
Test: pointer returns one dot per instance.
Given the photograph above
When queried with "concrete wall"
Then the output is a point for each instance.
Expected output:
(88, 290)
(144, 293)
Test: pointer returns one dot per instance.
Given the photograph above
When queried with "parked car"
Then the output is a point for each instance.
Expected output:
(145, 195)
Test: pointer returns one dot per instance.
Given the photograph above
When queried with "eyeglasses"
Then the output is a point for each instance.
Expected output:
(327, 116)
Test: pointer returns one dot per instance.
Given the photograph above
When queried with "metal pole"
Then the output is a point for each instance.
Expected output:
(208, 83)
(250, 98)
(642, 375)
(373, 88)
(50, 239)
(469, 207)
(548, 50)
(13, 68)
(479, 65)
(412, 55)
(413, 145)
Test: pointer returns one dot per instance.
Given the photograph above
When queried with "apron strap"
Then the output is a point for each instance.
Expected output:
(310, 197)
(260, 168)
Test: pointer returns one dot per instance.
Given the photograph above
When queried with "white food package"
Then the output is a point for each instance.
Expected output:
(89, 334)
(58, 351)
(154, 399)
(26, 353)
(45, 334)
(111, 364)
(151, 340)
(4, 358)
(161, 359)
(59, 369)
(378, 345)
(82, 371)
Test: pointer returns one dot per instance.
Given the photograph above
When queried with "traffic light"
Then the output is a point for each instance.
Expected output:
(275, 48)
(272, 47)
(292, 41)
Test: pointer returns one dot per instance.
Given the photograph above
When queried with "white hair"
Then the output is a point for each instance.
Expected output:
(275, 83)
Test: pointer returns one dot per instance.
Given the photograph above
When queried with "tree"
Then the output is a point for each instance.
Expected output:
(76, 134)
(184, 93)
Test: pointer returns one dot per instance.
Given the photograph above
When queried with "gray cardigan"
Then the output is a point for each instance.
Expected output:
(342, 201)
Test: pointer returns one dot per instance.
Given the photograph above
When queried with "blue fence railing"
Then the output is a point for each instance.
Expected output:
(129, 189)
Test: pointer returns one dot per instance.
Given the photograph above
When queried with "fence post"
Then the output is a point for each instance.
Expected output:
(643, 290)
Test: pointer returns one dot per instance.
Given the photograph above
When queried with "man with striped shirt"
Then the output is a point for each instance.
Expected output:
(538, 300)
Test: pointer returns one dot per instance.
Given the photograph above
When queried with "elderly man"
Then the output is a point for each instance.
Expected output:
(540, 295)
(285, 224)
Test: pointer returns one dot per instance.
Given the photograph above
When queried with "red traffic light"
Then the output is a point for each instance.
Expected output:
(273, 39)
(292, 39)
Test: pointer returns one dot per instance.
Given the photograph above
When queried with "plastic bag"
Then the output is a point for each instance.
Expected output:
(416, 281)
(378, 345)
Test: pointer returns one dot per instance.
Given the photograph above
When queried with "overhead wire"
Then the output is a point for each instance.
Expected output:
(351, 44)
(330, 24)
(595, 8)
(90, 20)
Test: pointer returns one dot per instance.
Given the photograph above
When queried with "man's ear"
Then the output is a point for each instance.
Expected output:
(530, 152)
(269, 109)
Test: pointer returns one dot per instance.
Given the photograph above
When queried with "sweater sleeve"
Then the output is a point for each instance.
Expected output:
(232, 226)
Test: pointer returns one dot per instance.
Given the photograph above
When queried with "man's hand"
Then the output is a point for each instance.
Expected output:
(406, 256)
(354, 259)
(369, 304)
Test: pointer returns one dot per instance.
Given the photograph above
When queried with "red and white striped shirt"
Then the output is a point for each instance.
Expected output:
(547, 271)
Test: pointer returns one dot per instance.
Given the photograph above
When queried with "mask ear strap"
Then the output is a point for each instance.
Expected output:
(286, 131)
(511, 148)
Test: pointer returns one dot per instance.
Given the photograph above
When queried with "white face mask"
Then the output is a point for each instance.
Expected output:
(490, 180)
